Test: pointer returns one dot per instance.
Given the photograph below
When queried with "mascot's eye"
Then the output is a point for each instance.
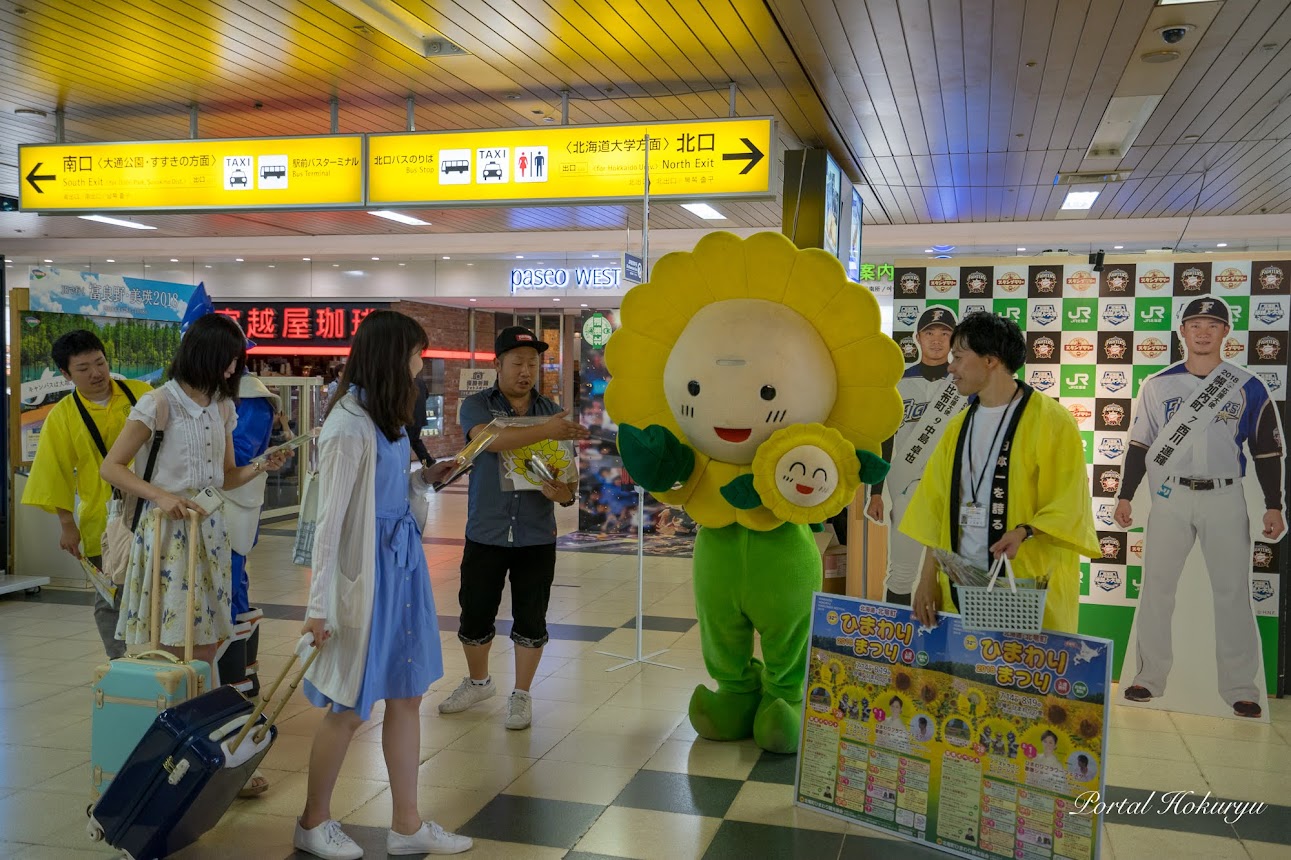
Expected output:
(768, 392)
(821, 472)
(800, 467)
(693, 388)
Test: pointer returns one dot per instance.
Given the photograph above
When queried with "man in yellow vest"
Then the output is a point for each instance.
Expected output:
(76, 436)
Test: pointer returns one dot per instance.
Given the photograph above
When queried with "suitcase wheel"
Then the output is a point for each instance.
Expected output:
(94, 830)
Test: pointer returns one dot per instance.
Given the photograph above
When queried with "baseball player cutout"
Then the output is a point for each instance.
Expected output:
(923, 384)
(1190, 424)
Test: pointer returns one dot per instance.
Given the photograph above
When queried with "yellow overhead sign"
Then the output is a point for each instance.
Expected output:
(704, 159)
(230, 174)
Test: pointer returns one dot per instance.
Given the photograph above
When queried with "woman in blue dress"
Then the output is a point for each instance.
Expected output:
(370, 599)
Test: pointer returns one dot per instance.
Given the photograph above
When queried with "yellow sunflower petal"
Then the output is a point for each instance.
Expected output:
(720, 259)
(770, 257)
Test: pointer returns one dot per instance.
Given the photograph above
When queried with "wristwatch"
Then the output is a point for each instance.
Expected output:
(1026, 528)
(567, 504)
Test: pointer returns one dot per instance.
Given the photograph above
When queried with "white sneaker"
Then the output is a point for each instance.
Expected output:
(430, 839)
(328, 841)
(519, 711)
(467, 693)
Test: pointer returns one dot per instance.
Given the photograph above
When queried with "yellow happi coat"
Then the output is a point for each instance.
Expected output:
(1048, 488)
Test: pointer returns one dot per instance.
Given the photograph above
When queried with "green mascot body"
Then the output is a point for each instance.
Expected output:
(752, 385)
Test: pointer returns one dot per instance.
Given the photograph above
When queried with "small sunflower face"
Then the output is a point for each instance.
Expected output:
(741, 370)
(806, 476)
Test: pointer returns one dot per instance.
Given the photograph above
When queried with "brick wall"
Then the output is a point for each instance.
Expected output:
(448, 328)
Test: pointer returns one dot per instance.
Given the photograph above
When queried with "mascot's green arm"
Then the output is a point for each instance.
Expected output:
(654, 457)
(740, 493)
(873, 467)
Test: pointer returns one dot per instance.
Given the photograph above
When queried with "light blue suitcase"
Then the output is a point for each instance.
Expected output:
(130, 692)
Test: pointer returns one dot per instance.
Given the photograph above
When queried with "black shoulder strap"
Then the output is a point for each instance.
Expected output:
(157, 435)
(125, 389)
(90, 425)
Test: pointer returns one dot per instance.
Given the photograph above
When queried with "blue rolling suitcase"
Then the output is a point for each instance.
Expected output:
(131, 691)
(186, 772)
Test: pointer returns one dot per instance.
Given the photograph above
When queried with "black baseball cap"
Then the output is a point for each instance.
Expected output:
(516, 336)
(1215, 309)
(936, 315)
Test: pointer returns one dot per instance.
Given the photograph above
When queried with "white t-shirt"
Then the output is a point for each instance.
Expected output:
(980, 455)
(191, 456)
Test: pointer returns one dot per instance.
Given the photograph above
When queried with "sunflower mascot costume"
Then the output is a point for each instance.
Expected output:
(752, 385)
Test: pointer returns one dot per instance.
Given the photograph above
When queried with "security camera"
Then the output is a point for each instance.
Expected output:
(1174, 34)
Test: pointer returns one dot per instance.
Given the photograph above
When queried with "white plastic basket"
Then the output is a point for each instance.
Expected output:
(1018, 610)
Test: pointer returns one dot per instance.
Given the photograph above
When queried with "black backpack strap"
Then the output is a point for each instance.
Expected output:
(125, 389)
(90, 425)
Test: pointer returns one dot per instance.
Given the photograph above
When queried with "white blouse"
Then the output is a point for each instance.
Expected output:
(191, 456)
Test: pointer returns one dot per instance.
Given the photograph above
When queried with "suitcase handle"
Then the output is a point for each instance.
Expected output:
(165, 655)
(154, 621)
(267, 696)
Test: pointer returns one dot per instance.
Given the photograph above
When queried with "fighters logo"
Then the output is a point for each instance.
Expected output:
(907, 315)
(973, 308)
(1044, 314)
(943, 283)
(1080, 412)
(1270, 278)
(1115, 348)
(1113, 380)
(1152, 347)
(909, 348)
(1113, 415)
(1108, 579)
(1154, 279)
(1111, 447)
(1104, 516)
(1261, 590)
(1110, 546)
(1078, 347)
(1082, 280)
(1118, 280)
(1116, 314)
(1268, 312)
(1233, 347)
(1262, 556)
(1272, 381)
(1152, 315)
(913, 410)
(1110, 481)
(1171, 406)
(1230, 278)
(1267, 348)
(909, 283)
(976, 282)
(1043, 347)
(1045, 281)
(1193, 280)
(1042, 380)
(1010, 282)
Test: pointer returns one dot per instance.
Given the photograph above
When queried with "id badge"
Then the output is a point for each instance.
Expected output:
(972, 516)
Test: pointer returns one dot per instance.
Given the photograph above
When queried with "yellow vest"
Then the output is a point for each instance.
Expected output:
(65, 473)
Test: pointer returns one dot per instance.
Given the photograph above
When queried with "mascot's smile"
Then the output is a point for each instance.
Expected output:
(730, 434)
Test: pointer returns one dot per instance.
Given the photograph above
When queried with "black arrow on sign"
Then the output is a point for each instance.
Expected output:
(753, 156)
(33, 178)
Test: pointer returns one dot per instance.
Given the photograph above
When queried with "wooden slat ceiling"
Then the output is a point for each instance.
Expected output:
(943, 110)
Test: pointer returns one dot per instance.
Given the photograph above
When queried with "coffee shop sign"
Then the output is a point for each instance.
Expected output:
(584, 278)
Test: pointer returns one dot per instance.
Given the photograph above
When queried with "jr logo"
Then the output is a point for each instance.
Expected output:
(1078, 315)
(1078, 380)
(1153, 314)
(1011, 313)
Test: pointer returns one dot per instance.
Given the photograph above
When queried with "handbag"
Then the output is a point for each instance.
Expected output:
(1018, 610)
(302, 552)
(125, 508)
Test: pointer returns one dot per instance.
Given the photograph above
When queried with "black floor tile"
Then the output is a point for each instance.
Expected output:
(60, 596)
(532, 821)
(282, 611)
(1270, 824)
(858, 847)
(665, 623)
(587, 855)
(774, 767)
(740, 840)
(371, 839)
(574, 632)
(663, 791)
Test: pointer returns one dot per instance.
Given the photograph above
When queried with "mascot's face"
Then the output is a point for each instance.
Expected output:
(742, 369)
(806, 476)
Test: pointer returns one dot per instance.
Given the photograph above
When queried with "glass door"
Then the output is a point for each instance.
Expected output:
(303, 403)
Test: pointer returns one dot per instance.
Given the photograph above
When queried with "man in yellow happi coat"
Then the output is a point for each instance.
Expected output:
(1007, 477)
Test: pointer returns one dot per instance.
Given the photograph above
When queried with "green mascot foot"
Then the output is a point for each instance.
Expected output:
(723, 716)
(776, 726)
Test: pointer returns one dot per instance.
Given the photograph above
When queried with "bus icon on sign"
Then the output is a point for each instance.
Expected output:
(273, 171)
(455, 167)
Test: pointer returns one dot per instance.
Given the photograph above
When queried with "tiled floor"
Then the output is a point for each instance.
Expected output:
(610, 768)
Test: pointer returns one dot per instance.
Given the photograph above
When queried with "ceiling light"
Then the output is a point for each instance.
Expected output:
(109, 261)
(208, 265)
(1156, 57)
(555, 300)
(1080, 199)
(117, 222)
(1180, 2)
(147, 265)
(927, 250)
(336, 265)
(399, 217)
(305, 259)
(446, 258)
(1117, 247)
(1222, 245)
(942, 249)
(355, 272)
(519, 256)
(703, 210)
(237, 260)
(1021, 249)
(596, 255)
(472, 299)
(174, 260)
(403, 264)
(49, 261)
(470, 264)
(377, 258)
(272, 266)
(583, 305)
(391, 19)
(26, 111)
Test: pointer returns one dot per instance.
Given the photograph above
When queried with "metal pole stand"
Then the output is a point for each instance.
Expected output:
(639, 658)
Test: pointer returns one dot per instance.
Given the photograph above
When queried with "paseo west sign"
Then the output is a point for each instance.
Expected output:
(583, 278)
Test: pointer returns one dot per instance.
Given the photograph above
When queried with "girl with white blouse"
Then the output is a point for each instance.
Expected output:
(196, 452)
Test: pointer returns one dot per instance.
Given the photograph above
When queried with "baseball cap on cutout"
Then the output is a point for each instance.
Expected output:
(1206, 306)
(936, 315)
(515, 336)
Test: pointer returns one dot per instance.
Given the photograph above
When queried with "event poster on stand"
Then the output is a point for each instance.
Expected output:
(1092, 340)
(981, 744)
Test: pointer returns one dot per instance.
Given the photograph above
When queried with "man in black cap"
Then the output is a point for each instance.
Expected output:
(509, 532)
(1190, 423)
(924, 383)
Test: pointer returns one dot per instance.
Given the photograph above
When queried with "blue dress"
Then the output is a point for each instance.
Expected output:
(404, 652)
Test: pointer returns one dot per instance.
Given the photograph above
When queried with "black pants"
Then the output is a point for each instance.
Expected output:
(484, 574)
(902, 599)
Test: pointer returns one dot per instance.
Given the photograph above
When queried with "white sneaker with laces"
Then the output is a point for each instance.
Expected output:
(519, 711)
(328, 841)
(430, 839)
(467, 693)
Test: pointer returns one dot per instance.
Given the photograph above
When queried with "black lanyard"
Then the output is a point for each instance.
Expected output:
(976, 485)
(89, 422)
